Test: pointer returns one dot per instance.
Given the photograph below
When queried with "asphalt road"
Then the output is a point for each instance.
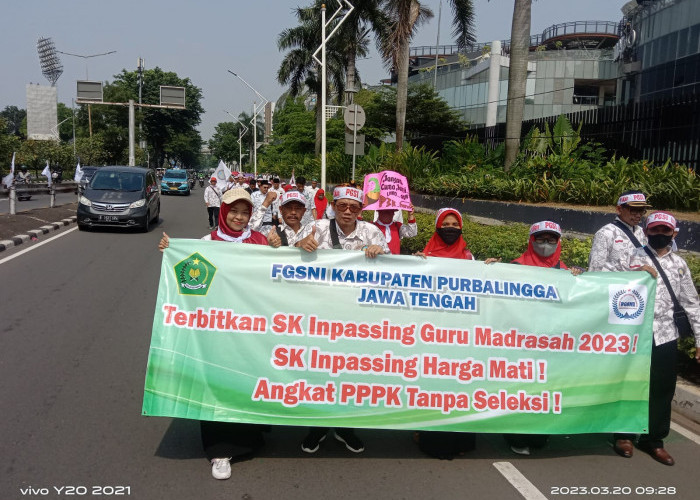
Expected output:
(77, 313)
(38, 200)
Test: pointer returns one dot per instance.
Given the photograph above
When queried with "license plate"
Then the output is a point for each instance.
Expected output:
(173, 188)
(108, 218)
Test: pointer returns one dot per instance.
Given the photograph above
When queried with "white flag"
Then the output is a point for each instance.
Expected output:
(78, 173)
(9, 178)
(222, 173)
(47, 172)
(292, 180)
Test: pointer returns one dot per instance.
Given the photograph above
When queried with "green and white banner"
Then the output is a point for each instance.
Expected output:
(246, 333)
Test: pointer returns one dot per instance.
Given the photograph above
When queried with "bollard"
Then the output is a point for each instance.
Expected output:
(52, 190)
(13, 200)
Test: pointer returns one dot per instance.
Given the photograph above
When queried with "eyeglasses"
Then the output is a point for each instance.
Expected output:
(546, 239)
(637, 210)
(342, 207)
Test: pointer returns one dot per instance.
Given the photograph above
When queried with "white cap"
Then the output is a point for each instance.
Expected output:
(545, 226)
(290, 196)
(347, 193)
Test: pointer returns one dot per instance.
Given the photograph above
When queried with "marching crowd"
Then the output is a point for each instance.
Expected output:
(299, 215)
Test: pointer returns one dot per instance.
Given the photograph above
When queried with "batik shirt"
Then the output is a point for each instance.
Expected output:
(612, 248)
(365, 234)
(212, 196)
(681, 282)
(310, 206)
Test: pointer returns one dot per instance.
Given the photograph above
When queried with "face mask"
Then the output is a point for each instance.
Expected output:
(659, 241)
(449, 234)
(544, 249)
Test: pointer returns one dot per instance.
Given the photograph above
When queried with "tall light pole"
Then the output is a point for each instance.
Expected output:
(241, 132)
(86, 57)
(257, 108)
(324, 39)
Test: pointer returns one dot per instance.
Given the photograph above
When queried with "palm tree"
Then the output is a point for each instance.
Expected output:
(299, 70)
(404, 17)
(517, 77)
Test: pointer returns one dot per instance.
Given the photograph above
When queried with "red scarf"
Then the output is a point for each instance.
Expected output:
(436, 246)
(395, 243)
(255, 237)
(321, 203)
(532, 258)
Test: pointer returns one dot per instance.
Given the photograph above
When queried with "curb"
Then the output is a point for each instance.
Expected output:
(34, 233)
(686, 401)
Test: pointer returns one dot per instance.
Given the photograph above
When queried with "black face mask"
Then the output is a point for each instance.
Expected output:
(449, 234)
(659, 241)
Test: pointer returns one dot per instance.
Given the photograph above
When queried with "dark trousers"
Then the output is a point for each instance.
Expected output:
(224, 439)
(662, 386)
(213, 216)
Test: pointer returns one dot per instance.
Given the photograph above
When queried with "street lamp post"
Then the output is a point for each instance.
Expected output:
(256, 111)
(241, 133)
(86, 57)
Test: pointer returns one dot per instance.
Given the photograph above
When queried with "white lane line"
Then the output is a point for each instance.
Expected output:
(37, 245)
(518, 481)
(685, 432)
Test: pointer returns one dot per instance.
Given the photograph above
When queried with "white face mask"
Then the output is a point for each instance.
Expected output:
(544, 249)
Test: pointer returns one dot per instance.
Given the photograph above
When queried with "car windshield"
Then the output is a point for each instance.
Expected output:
(117, 181)
(176, 174)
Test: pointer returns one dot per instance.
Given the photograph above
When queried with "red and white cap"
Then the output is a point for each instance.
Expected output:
(290, 196)
(347, 193)
(545, 226)
(661, 219)
(637, 200)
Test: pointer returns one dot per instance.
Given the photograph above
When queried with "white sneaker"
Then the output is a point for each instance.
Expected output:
(525, 450)
(221, 468)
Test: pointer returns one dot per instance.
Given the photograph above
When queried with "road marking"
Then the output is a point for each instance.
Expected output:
(685, 432)
(37, 245)
(519, 482)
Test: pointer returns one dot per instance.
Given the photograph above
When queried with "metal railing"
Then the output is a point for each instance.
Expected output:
(554, 31)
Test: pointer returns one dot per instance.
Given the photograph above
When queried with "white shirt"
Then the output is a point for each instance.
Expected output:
(681, 282)
(611, 248)
(212, 196)
(365, 233)
(258, 199)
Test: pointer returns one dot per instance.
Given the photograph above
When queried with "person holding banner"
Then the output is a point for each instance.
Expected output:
(395, 231)
(447, 240)
(614, 243)
(292, 206)
(343, 232)
(543, 250)
(674, 285)
(225, 441)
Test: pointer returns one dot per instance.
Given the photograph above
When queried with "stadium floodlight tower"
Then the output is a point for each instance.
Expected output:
(51, 66)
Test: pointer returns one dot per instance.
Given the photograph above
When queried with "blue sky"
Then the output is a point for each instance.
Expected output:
(203, 39)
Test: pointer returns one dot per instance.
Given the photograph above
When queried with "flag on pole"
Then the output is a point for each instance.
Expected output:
(9, 178)
(78, 173)
(222, 173)
(292, 180)
(47, 172)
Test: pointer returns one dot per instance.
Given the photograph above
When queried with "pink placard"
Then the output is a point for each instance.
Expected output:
(386, 190)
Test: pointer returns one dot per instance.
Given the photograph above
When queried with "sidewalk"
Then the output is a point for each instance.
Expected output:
(23, 226)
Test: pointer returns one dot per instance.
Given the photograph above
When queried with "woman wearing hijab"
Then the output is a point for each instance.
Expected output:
(224, 441)
(543, 250)
(321, 203)
(447, 240)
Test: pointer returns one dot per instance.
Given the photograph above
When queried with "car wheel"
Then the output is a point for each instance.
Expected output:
(146, 225)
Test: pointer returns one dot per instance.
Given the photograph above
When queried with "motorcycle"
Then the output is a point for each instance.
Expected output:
(201, 183)
(191, 183)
